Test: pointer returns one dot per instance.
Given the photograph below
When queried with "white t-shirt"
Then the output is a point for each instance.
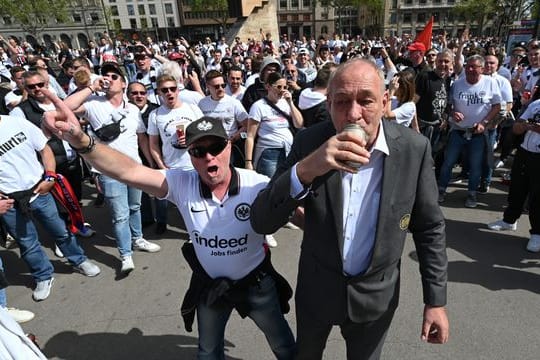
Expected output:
(239, 95)
(148, 79)
(225, 243)
(273, 127)
(474, 101)
(190, 97)
(100, 112)
(531, 142)
(20, 168)
(404, 113)
(228, 109)
(163, 122)
(505, 87)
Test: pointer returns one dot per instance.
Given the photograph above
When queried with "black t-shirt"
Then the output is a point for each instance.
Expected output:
(433, 92)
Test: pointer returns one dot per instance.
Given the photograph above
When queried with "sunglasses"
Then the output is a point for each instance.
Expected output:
(35, 86)
(223, 86)
(140, 56)
(138, 93)
(113, 76)
(165, 90)
(280, 87)
(213, 149)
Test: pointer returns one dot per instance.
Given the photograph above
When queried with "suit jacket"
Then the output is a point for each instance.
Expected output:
(408, 202)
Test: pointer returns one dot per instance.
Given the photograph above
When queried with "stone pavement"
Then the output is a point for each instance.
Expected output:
(494, 287)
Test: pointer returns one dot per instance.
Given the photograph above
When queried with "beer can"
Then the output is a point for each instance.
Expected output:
(359, 131)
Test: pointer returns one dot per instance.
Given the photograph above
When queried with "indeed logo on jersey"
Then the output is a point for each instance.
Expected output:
(217, 243)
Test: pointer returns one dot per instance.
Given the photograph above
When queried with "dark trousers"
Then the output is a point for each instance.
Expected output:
(364, 341)
(525, 180)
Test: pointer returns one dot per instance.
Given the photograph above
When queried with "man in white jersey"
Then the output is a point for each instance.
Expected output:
(525, 175)
(234, 80)
(476, 101)
(119, 124)
(166, 129)
(29, 182)
(229, 110)
(231, 267)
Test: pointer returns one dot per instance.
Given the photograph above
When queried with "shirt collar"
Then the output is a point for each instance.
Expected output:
(380, 142)
(234, 186)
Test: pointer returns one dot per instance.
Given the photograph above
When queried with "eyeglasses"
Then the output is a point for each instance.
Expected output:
(222, 86)
(113, 76)
(280, 87)
(137, 93)
(212, 149)
(165, 90)
(40, 85)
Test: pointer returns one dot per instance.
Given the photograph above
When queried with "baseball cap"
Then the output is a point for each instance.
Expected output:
(417, 46)
(110, 66)
(175, 56)
(269, 60)
(303, 51)
(205, 126)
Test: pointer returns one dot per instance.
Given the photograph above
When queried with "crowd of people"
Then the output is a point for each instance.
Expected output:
(206, 125)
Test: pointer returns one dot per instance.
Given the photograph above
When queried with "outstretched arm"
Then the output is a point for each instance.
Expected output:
(63, 123)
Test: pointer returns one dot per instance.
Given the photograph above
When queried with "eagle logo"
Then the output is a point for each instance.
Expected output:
(242, 211)
(205, 126)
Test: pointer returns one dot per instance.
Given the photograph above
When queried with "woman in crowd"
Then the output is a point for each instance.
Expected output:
(272, 119)
(401, 106)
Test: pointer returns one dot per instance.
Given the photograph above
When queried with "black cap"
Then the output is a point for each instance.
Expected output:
(110, 66)
(205, 126)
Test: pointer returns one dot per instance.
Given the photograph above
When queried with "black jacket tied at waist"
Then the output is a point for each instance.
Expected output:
(22, 199)
(224, 292)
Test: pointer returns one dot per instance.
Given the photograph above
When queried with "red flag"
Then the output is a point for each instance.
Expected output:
(425, 35)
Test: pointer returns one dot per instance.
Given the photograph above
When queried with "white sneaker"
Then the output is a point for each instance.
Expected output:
(145, 245)
(502, 225)
(42, 290)
(58, 252)
(10, 242)
(127, 265)
(86, 231)
(291, 226)
(534, 243)
(499, 164)
(20, 316)
(88, 268)
(270, 241)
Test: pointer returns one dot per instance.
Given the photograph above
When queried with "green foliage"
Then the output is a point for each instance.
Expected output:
(35, 15)
(217, 10)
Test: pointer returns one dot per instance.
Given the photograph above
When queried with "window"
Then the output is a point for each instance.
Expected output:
(306, 17)
(421, 17)
(144, 23)
(407, 17)
(393, 18)
(133, 23)
(282, 17)
(324, 16)
(451, 1)
(94, 16)
(152, 9)
(131, 10)
(408, 2)
(394, 4)
(154, 23)
(294, 17)
(117, 23)
(282, 4)
(306, 4)
(7, 20)
(422, 1)
(170, 21)
(168, 9)
(141, 9)
(77, 17)
(294, 4)
(114, 10)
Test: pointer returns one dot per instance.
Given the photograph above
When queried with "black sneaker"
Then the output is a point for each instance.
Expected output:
(483, 188)
(160, 228)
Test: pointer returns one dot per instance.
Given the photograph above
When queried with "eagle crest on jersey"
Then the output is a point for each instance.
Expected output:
(242, 211)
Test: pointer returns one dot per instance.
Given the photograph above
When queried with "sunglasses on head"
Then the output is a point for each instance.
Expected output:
(165, 90)
(223, 86)
(213, 149)
(138, 93)
(35, 86)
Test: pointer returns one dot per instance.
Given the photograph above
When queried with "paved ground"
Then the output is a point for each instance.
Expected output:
(494, 287)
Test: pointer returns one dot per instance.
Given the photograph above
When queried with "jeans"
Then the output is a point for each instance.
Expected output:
(265, 312)
(269, 160)
(3, 297)
(147, 214)
(25, 233)
(475, 154)
(125, 204)
(487, 167)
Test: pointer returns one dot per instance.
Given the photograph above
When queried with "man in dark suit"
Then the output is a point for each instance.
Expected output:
(357, 218)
